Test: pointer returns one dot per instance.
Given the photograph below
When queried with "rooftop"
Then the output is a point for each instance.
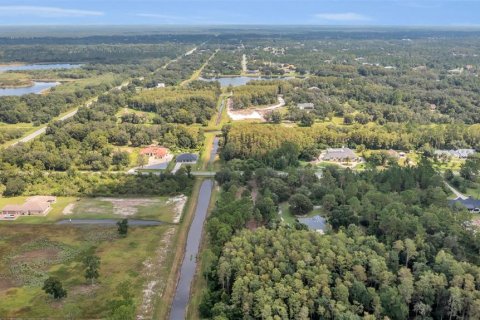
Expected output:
(340, 153)
(157, 151)
(469, 203)
(187, 157)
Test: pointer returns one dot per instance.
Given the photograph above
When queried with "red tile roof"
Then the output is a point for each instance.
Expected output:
(158, 152)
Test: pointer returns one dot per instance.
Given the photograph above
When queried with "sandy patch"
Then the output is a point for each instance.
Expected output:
(152, 271)
(252, 114)
(68, 209)
(179, 204)
(128, 207)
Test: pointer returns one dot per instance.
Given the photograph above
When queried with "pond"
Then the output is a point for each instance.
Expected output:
(38, 87)
(27, 67)
(240, 81)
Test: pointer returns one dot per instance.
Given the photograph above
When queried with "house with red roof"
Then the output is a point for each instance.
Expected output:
(155, 152)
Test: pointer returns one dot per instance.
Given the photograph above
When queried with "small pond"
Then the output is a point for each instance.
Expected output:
(37, 88)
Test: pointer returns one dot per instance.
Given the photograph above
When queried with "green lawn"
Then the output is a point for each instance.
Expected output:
(287, 216)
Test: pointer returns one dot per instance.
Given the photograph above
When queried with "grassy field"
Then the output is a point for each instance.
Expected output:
(147, 115)
(31, 253)
(175, 259)
(11, 79)
(80, 84)
(160, 208)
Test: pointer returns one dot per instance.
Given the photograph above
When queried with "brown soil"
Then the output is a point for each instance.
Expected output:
(5, 284)
(48, 253)
(84, 289)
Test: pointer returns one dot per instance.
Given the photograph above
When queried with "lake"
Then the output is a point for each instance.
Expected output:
(37, 88)
(27, 67)
(240, 81)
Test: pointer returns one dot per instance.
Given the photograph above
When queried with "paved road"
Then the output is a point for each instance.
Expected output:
(456, 192)
(43, 129)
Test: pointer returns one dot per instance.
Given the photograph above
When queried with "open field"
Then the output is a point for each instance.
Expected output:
(31, 253)
(154, 208)
(160, 208)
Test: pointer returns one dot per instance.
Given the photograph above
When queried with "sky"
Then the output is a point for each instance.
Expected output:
(241, 12)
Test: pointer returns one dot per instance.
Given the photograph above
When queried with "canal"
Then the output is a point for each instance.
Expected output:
(189, 264)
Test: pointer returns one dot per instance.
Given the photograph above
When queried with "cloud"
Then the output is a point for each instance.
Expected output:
(159, 16)
(342, 17)
(45, 12)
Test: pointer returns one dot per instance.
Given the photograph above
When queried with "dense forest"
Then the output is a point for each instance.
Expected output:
(185, 106)
(227, 61)
(395, 248)
(91, 140)
(255, 93)
(257, 140)
(40, 109)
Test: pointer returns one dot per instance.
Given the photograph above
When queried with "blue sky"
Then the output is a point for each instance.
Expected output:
(211, 12)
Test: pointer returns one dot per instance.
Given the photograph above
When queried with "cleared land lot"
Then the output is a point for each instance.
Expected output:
(166, 209)
(158, 208)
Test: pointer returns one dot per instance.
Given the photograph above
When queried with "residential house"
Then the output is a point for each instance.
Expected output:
(316, 223)
(38, 205)
(339, 154)
(458, 153)
(186, 158)
(394, 154)
(470, 203)
(305, 106)
(154, 152)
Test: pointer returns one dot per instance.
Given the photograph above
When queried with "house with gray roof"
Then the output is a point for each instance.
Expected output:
(316, 223)
(186, 158)
(458, 153)
(470, 203)
(339, 154)
(306, 106)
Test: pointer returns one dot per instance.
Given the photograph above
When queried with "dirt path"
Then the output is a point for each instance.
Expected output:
(244, 64)
(456, 192)
(197, 73)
